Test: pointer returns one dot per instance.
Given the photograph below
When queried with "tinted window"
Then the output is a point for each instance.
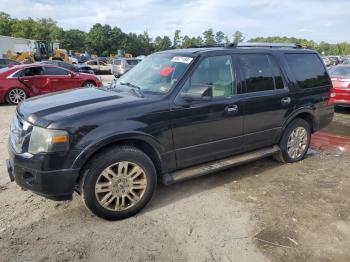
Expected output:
(216, 71)
(56, 71)
(257, 72)
(340, 71)
(308, 70)
(32, 71)
(3, 62)
(279, 83)
(132, 62)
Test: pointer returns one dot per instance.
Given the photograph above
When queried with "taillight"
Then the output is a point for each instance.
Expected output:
(332, 96)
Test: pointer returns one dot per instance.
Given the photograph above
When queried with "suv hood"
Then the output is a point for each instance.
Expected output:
(43, 110)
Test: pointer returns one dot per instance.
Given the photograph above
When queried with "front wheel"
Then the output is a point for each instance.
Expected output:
(118, 183)
(295, 141)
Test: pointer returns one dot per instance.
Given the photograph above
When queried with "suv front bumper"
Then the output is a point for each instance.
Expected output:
(56, 184)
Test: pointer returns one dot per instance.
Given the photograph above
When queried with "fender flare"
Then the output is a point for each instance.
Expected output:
(92, 149)
(304, 110)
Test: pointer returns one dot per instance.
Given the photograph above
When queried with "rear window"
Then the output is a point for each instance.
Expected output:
(308, 70)
(132, 62)
(340, 71)
(117, 61)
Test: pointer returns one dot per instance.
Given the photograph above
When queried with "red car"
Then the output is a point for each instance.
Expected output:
(19, 82)
(340, 93)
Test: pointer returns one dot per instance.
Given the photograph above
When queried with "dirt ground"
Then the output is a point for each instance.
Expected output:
(262, 211)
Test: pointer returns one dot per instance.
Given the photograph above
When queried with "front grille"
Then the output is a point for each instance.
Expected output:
(20, 134)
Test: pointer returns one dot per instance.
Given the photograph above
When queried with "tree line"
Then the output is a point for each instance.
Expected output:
(104, 40)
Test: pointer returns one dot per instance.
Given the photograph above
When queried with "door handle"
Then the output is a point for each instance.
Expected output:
(25, 80)
(232, 108)
(286, 100)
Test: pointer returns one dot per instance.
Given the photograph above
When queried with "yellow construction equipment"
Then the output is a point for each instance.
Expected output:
(24, 57)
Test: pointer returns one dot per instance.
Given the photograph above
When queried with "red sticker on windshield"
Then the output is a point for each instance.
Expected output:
(166, 71)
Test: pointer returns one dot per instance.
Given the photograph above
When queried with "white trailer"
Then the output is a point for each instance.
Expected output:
(18, 45)
(15, 44)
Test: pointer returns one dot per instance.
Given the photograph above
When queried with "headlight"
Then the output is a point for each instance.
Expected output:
(48, 140)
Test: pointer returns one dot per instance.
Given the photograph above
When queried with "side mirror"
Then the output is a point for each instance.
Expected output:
(72, 74)
(198, 92)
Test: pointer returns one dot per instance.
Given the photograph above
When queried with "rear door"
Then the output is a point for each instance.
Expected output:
(35, 79)
(267, 99)
(61, 79)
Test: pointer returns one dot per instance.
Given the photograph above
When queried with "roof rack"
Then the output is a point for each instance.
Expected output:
(250, 44)
(268, 45)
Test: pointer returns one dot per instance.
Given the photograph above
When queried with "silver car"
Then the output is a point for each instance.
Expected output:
(122, 65)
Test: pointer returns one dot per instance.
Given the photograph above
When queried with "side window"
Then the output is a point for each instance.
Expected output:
(56, 71)
(216, 71)
(257, 72)
(308, 70)
(277, 75)
(32, 71)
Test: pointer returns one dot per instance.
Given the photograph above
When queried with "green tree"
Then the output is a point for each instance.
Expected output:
(98, 40)
(177, 43)
(219, 37)
(73, 39)
(238, 37)
(209, 38)
(162, 43)
(5, 24)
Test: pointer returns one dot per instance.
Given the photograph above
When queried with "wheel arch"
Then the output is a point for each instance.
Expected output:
(307, 114)
(144, 143)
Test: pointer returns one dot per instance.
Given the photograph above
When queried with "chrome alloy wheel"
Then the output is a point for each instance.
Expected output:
(297, 142)
(89, 84)
(16, 96)
(120, 186)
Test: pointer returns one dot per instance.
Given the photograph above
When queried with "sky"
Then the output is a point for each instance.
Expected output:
(318, 20)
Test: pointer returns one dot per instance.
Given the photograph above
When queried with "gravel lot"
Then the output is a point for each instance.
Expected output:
(262, 211)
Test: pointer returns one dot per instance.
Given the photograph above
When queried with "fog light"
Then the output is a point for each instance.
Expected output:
(29, 178)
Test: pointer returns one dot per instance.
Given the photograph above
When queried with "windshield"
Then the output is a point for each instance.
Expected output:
(157, 73)
(340, 71)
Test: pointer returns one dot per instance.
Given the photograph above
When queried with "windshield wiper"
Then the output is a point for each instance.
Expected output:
(134, 88)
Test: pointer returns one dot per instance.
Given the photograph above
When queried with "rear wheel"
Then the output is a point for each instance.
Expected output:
(16, 96)
(119, 182)
(89, 84)
(295, 141)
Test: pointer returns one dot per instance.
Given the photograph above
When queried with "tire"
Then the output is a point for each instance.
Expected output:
(114, 186)
(89, 84)
(16, 96)
(296, 135)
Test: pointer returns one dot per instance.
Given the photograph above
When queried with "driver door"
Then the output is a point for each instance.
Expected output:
(209, 130)
(61, 79)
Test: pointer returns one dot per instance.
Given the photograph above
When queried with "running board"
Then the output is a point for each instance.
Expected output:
(218, 165)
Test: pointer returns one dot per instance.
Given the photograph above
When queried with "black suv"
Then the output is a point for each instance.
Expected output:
(176, 115)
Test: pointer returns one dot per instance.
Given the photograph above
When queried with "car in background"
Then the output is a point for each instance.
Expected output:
(79, 68)
(340, 93)
(346, 62)
(4, 62)
(122, 65)
(20, 82)
(103, 59)
(99, 67)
